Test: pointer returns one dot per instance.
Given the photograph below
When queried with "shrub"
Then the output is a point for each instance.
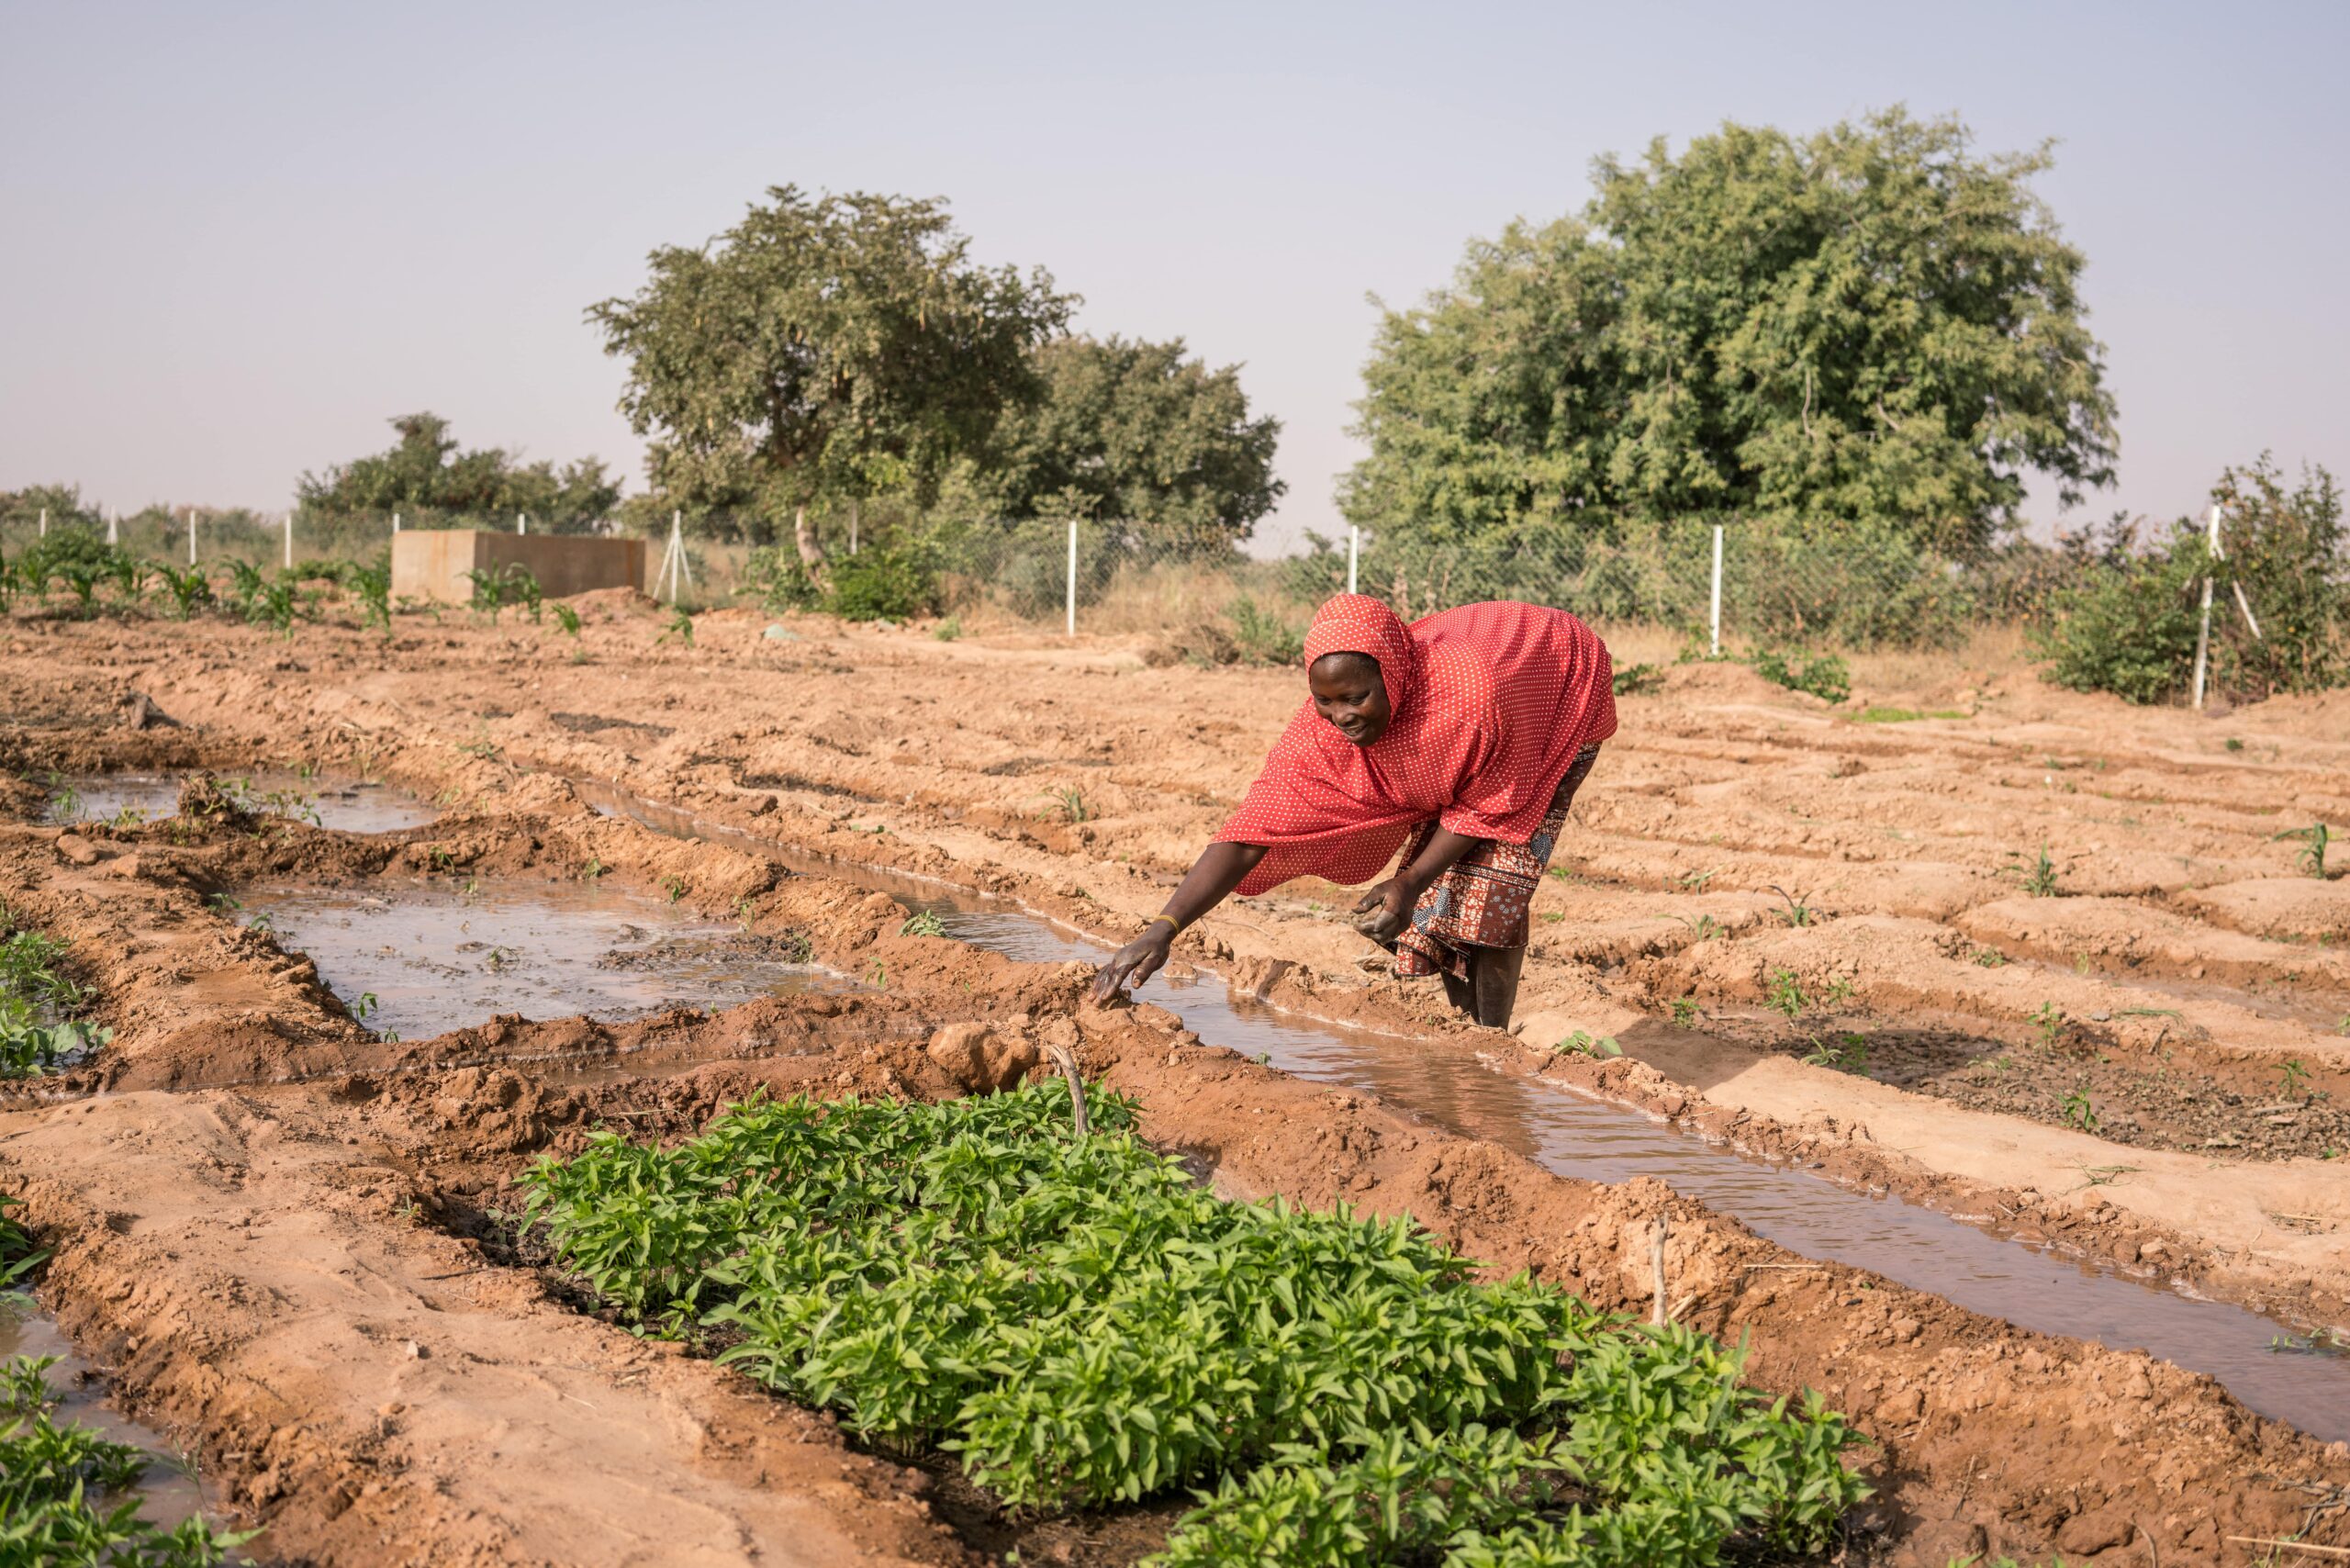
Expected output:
(1262, 637)
(1825, 677)
(773, 573)
(2129, 622)
(893, 581)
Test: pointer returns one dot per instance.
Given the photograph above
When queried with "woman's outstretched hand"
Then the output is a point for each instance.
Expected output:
(1136, 962)
(1393, 900)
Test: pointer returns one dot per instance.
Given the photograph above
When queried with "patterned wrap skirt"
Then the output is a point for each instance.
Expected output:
(1485, 898)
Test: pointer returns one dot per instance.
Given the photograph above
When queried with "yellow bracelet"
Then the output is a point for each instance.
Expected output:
(1172, 923)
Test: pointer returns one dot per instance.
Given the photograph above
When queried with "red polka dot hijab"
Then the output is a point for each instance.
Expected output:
(1490, 704)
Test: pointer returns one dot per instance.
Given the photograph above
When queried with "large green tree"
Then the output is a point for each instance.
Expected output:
(1873, 323)
(822, 350)
(427, 475)
(1132, 434)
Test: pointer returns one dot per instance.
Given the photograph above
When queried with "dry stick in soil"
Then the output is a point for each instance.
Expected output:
(1656, 1259)
(2309, 1547)
(1066, 1060)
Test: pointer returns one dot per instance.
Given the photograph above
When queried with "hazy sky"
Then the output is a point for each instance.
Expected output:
(234, 239)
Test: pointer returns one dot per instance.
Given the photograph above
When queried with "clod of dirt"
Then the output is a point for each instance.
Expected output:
(983, 1056)
(202, 797)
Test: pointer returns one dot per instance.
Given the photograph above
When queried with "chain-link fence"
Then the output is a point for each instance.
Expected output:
(2127, 609)
(1845, 586)
(1716, 585)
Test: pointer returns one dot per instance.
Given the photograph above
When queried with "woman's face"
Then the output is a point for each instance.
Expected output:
(1351, 695)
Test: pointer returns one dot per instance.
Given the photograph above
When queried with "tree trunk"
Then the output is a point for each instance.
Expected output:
(812, 554)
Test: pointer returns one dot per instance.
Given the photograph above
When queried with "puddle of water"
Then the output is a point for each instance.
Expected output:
(438, 960)
(1592, 1141)
(168, 1496)
(344, 804)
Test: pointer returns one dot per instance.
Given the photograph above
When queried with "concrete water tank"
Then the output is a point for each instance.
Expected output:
(433, 563)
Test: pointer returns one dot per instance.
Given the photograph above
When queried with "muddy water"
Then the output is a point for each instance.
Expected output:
(437, 958)
(167, 1494)
(345, 804)
(1592, 1141)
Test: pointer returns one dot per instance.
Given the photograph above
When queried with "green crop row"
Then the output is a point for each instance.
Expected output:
(52, 1479)
(1083, 1324)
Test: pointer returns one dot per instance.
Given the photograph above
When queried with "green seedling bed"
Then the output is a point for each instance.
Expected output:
(1083, 1326)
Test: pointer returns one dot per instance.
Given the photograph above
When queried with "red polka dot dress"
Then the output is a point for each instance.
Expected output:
(1490, 705)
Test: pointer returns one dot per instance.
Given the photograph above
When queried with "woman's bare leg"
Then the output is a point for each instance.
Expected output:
(1492, 984)
(1460, 993)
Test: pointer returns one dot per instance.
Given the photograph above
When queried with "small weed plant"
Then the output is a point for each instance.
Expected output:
(1083, 1325)
(189, 588)
(922, 923)
(372, 586)
(2039, 877)
(38, 999)
(1636, 680)
(1826, 677)
(1846, 1053)
(1783, 993)
(1262, 637)
(1583, 1043)
(2313, 840)
(2078, 1112)
(18, 1256)
(1070, 802)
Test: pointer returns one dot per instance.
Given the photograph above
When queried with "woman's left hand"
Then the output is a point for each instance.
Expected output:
(1393, 900)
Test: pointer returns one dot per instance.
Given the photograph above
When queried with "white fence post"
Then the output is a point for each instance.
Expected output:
(2203, 632)
(1072, 577)
(854, 508)
(44, 522)
(521, 522)
(289, 539)
(1717, 592)
(674, 574)
(191, 536)
(1354, 553)
(114, 534)
(396, 523)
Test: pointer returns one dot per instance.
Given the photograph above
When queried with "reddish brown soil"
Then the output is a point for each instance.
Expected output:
(517, 1430)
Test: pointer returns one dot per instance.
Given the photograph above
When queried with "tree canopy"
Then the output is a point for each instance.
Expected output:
(1873, 323)
(1132, 432)
(822, 350)
(427, 475)
(63, 504)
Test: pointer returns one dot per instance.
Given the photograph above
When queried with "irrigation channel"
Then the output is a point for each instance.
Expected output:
(1592, 1141)
(345, 805)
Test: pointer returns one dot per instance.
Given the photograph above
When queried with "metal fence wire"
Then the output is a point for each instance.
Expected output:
(1843, 585)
